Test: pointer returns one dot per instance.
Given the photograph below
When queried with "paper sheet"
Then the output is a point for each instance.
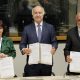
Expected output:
(46, 56)
(75, 64)
(6, 67)
(40, 53)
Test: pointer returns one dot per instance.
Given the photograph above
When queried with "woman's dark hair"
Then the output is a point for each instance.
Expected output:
(3, 26)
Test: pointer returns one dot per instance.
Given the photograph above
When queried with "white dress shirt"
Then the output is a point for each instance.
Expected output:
(79, 31)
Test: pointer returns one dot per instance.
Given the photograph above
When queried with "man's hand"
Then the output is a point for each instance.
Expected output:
(68, 59)
(26, 51)
(53, 51)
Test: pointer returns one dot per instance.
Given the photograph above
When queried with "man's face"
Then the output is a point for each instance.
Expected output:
(38, 14)
(78, 19)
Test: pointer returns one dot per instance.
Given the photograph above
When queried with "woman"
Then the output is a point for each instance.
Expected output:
(6, 45)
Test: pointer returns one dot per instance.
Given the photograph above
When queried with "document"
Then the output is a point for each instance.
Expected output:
(75, 64)
(34, 55)
(6, 67)
(40, 53)
(46, 56)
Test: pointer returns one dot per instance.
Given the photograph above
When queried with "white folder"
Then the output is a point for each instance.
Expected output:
(6, 67)
(40, 53)
(75, 63)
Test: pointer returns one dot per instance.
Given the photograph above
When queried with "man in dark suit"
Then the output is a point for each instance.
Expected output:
(30, 36)
(73, 43)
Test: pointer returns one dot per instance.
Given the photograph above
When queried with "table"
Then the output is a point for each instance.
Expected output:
(46, 78)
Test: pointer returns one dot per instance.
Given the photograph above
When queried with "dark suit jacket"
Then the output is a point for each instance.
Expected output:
(72, 44)
(73, 41)
(7, 47)
(29, 35)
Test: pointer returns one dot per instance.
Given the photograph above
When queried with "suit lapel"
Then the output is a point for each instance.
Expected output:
(43, 31)
(76, 33)
(34, 31)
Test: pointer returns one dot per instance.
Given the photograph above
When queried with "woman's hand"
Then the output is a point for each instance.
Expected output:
(2, 55)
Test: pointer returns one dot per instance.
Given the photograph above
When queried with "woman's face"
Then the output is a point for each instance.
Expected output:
(1, 30)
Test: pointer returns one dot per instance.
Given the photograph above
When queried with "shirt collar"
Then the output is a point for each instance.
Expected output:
(40, 23)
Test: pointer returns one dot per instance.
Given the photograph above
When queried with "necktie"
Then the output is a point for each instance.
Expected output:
(39, 33)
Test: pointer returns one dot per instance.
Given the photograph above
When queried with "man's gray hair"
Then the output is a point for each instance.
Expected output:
(40, 7)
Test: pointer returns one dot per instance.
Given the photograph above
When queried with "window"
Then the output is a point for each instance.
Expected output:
(17, 13)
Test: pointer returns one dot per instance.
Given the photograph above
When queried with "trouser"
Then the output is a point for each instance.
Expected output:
(37, 70)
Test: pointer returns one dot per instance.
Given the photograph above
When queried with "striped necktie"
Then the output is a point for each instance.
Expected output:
(39, 33)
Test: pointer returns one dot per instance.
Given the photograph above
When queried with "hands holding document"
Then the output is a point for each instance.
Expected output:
(40, 53)
(28, 51)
